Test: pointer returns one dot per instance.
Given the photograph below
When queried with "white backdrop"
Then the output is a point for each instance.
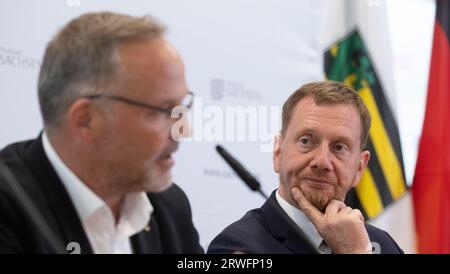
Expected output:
(248, 53)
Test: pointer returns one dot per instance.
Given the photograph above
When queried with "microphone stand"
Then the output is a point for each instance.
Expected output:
(240, 170)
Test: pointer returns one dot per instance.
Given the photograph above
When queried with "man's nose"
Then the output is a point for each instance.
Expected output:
(321, 161)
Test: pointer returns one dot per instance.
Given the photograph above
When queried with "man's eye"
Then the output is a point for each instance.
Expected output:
(152, 113)
(339, 147)
(305, 141)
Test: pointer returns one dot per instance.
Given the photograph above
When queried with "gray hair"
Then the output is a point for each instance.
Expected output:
(83, 58)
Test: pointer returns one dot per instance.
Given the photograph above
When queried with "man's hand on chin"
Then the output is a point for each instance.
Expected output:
(341, 227)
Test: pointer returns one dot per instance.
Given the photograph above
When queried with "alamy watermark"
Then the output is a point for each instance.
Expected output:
(73, 3)
(214, 123)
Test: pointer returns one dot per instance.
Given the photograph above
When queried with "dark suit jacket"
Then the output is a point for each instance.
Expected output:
(171, 227)
(269, 230)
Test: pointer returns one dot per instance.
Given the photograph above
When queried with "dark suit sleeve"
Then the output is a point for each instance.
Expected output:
(246, 235)
(11, 233)
(174, 219)
(395, 248)
(385, 243)
(229, 243)
(189, 225)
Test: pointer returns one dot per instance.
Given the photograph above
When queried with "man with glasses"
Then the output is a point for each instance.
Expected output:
(98, 179)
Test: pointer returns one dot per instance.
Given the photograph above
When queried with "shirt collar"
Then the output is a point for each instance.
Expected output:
(86, 202)
(136, 209)
(300, 219)
(135, 213)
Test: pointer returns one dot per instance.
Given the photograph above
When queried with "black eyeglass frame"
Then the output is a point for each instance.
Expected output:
(167, 111)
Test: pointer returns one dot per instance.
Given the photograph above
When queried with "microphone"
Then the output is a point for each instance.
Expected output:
(248, 179)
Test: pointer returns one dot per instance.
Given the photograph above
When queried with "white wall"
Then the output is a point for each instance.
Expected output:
(411, 31)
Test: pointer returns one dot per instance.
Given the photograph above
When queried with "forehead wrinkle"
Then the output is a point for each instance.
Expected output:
(311, 117)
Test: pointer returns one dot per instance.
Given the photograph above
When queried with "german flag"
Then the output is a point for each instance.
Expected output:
(383, 181)
(431, 185)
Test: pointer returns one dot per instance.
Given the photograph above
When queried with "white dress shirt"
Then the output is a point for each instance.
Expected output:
(304, 224)
(96, 216)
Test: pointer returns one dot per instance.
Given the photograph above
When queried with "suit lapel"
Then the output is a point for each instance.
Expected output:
(58, 200)
(285, 229)
(147, 241)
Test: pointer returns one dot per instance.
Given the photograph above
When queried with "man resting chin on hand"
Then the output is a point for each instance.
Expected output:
(319, 156)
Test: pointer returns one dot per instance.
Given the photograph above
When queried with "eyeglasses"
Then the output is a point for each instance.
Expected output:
(186, 102)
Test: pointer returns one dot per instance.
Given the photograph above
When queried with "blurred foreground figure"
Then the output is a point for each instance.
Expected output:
(100, 173)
